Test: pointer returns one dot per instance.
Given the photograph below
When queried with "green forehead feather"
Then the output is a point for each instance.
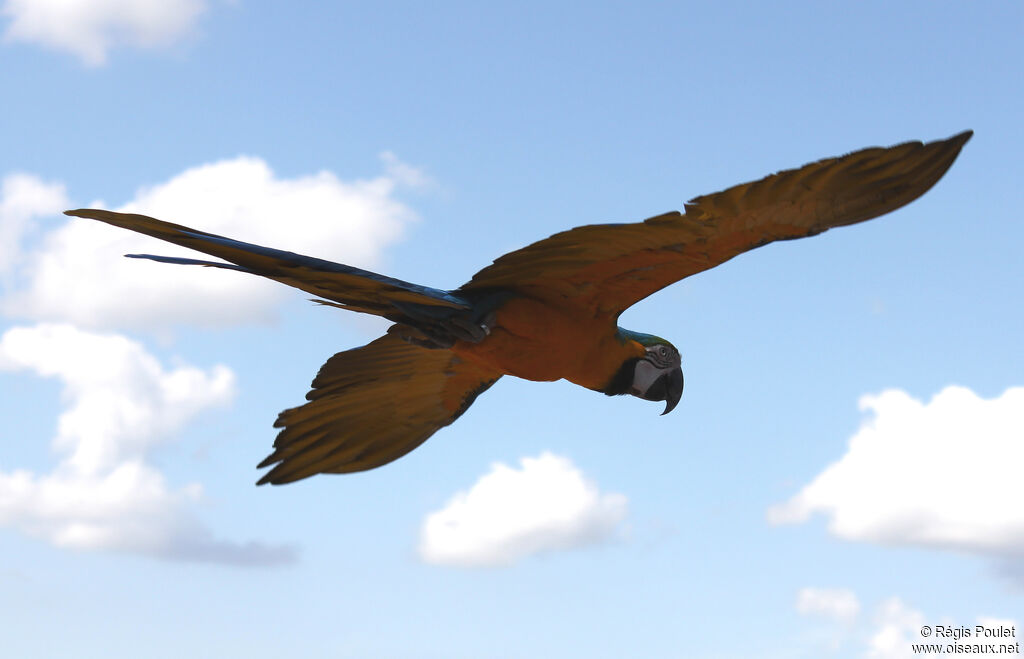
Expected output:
(646, 340)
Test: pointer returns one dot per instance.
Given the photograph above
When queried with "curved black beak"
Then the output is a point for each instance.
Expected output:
(668, 387)
(673, 389)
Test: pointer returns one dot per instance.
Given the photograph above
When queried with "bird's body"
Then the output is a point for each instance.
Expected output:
(546, 312)
(536, 340)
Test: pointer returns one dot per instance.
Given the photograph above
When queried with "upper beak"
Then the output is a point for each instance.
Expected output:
(673, 383)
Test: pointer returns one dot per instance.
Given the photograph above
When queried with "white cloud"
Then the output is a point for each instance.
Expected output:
(403, 173)
(832, 603)
(119, 403)
(940, 474)
(90, 28)
(23, 198)
(547, 504)
(897, 628)
(892, 630)
(78, 273)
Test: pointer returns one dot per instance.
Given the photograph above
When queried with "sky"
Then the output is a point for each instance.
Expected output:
(844, 467)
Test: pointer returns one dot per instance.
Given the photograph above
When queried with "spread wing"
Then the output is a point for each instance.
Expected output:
(372, 405)
(609, 267)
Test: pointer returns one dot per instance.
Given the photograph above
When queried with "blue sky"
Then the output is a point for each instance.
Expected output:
(844, 466)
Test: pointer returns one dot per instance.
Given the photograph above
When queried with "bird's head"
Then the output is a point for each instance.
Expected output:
(656, 375)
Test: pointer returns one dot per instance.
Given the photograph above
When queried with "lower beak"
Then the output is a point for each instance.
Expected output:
(673, 382)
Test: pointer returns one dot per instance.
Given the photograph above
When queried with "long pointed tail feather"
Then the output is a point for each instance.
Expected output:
(352, 288)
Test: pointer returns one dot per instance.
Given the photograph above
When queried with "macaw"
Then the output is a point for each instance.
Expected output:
(545, 312)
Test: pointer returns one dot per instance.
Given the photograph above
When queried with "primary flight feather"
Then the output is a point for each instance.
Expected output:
(548, 311)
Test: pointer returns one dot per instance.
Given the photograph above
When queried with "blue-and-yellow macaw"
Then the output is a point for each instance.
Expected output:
(545, 312)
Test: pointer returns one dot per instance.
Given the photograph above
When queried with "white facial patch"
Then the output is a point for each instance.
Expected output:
(644, 375)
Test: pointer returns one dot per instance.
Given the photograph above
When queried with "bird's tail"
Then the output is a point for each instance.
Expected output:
(437, 315)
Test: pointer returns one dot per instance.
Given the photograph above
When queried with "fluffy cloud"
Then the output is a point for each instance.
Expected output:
(120, 403)
(23, 198)
(89, 28)
(940, 474)
(835, 604)
(897, 627)
(892, 630)
(78, 274)
(547, 504)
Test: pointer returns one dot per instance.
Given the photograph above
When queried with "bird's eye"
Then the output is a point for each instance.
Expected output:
(663, 351)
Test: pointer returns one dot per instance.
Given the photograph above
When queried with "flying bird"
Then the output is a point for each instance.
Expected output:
(546, 312)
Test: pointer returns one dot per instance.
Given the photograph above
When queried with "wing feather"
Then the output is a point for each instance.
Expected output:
(609, 267)
(370, 406)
